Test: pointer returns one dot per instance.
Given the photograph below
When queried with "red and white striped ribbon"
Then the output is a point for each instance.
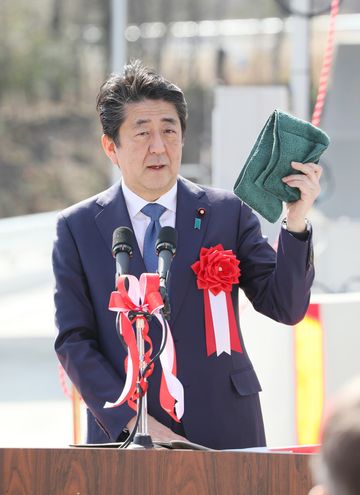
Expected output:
(220, 324)
(143, 295)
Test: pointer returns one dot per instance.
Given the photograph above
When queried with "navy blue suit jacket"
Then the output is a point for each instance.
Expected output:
(222, 407)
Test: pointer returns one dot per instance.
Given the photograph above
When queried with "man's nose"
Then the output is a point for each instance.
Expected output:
(157, 144)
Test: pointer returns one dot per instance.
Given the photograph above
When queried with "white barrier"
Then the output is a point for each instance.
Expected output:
(25, 250)
(271, 348)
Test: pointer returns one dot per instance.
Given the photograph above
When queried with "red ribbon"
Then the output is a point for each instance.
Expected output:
(235, 343)
(167, 402)
(217, 270)
(150, 302)
(234, 334)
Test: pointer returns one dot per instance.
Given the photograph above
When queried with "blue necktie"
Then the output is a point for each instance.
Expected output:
(154, 211)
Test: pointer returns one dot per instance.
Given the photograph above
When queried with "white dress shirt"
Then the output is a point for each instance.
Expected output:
(139, 220)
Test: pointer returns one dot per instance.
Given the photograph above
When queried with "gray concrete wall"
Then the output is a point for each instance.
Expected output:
(341, 120)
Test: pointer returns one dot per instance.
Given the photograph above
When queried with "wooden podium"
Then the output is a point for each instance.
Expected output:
(90, 471)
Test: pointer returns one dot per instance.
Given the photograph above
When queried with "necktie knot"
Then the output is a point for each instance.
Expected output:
(153, 210)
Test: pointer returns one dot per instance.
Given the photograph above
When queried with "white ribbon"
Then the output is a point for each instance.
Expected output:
(220, 319)
(167, 359)
(126, 389)
(136, 292)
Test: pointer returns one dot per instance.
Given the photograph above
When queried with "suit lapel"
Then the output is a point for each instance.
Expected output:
(114, 214)
(190, 198)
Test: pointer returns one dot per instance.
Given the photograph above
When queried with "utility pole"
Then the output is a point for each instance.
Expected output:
(118, 16)
(300, 60)
(118, 22)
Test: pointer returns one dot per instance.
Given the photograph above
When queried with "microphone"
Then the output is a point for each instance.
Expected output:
(122, 249)
(165, 249)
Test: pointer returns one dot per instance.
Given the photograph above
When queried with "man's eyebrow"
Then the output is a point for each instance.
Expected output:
(140, 122)
(169, 120)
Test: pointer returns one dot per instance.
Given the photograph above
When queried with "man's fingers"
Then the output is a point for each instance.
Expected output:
(161, 433)
(311, 173)
(294, 180)
(304, 185)
(311, 169)
(308, 182)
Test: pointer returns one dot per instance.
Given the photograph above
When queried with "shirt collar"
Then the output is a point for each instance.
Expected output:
(135, 203)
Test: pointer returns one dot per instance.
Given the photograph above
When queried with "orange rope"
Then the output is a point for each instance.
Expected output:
(76, 401)
(327, 63)
(76, 410)
(63, 383)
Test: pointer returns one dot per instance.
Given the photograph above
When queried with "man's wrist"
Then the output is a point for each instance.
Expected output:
(299, 227)
(301, 236)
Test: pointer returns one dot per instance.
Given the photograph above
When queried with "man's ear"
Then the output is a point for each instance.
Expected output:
(110, 148)
(317, 490)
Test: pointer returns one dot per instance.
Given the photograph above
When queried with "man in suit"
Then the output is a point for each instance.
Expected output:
(144, 120)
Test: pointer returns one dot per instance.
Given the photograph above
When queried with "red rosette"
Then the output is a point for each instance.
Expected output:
(217, 269)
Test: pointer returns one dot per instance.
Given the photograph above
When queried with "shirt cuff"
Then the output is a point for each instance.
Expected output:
(301, 236)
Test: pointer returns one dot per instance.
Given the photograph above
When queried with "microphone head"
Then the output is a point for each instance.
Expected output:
(123, 241)
(167, 239)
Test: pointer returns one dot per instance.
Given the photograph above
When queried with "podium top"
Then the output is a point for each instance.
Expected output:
(97, 470)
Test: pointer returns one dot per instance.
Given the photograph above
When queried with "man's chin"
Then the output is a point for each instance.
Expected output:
(159, 187)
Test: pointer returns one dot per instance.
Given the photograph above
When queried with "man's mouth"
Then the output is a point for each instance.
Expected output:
(155, 167)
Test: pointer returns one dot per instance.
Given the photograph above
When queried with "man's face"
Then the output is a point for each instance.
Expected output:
(149, 154)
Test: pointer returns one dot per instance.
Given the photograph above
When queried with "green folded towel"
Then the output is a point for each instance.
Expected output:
(283, 139)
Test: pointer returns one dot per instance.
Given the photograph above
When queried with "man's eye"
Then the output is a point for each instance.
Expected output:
(142, 133)
(170, 131)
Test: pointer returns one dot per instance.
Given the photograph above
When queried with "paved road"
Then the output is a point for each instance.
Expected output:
(33, 410)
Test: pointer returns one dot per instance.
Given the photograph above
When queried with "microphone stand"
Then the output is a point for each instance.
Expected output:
(123, 240)
(142, 439)
(165, 249)
(166, 309)
(139, 436)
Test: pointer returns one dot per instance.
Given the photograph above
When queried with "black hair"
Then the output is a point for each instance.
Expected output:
(136, 84)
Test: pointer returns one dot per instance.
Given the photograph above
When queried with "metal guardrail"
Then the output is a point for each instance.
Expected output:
(25, 251)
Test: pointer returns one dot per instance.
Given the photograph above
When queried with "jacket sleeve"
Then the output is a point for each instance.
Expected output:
(77, 344)
(277, 283)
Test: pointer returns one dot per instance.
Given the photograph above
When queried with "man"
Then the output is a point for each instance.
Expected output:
(144, 120)
(337, 469)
